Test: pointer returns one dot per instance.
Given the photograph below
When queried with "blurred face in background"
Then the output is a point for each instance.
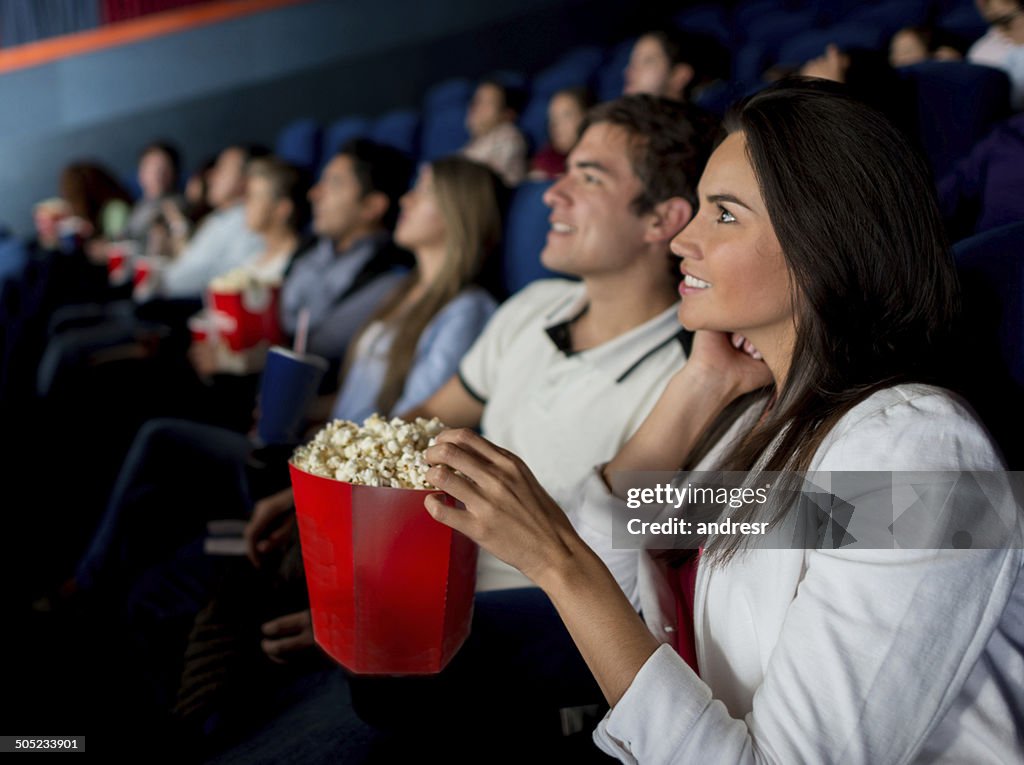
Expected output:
(907, 48)
(155, 175)
(262, 206)
(340, 208)
(421, 223)
(227, 178)
(651, 71)
(565, 115)
(486, 111)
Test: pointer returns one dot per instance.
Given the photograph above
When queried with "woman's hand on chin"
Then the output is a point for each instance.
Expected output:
(730, 359)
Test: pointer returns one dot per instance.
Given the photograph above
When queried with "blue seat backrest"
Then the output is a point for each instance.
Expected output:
(299, 142)
(991, 269)
(526, 231)
(957, 106)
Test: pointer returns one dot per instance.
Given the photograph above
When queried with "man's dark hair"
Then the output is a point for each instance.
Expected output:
(380, 168)
(669, 144)
(709, 58)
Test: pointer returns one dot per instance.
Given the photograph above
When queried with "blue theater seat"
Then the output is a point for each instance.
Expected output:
(608, 82)
(341, 132)
(991, 269)
(444, 131)
(299, 142)
(399, 129)
(811, 44)
(525, 234)
(957, 105)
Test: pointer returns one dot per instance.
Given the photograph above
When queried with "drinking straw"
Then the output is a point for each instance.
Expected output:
(301, 331)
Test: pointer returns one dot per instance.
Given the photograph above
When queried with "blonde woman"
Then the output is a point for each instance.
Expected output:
(414, 342)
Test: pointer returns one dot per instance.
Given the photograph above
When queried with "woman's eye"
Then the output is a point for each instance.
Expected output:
(724, 216)
(588, 178)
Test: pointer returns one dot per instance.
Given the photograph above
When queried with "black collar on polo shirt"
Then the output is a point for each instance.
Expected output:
(610, 356)
(561, 333)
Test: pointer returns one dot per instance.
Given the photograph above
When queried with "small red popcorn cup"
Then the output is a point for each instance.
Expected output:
(200, 326)
(119, 267)
(252, 316)
(145, 276)
(390, 588)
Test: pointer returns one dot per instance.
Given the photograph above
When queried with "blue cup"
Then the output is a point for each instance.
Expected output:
(289, 384)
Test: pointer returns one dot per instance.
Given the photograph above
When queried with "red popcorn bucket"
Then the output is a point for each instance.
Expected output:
(390, 588)
(251, 316)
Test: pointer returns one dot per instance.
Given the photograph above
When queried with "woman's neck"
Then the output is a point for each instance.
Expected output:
(279, 242)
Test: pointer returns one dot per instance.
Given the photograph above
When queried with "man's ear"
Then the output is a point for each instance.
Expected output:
(667, 219)
(682, 74)
(375, 206)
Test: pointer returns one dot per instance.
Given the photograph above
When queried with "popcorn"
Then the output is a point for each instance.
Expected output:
(239, 280)
(380, 453)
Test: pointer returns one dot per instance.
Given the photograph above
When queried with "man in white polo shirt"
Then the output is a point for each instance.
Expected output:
(566, 371)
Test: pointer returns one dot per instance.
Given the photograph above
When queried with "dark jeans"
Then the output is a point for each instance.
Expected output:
(178, 475)
(517, 669)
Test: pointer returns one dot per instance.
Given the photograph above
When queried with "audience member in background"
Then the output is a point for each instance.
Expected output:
(914, 45)
(276, 208)
(1002, 46)
(673, 64)
(986, 188)
(342, 279)
(222, 241)
(494, 138)
(829, 256)
(566, 112)
(158, 176)
(97, 204)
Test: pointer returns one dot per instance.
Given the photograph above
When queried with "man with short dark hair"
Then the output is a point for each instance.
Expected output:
(353, 265)
(671, 63)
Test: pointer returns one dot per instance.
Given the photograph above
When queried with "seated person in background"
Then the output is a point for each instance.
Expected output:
(914, 45)
(566, 112)
(342, 279)
(494, 138)
(985, 189)
(276, 208)
(158, 176)
(95, 204)
(1002, 46)
(802, 649)
(673, 64)
(222, 242)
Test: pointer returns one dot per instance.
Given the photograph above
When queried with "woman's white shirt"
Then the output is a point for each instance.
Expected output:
(833, 656)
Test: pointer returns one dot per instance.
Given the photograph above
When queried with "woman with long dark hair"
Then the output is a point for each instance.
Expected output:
(818, 284)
